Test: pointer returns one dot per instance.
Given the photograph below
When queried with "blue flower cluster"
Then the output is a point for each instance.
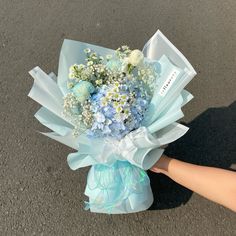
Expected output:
(112, 122)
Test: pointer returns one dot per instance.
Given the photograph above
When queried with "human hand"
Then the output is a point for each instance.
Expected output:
(161, 166)
(215, 184)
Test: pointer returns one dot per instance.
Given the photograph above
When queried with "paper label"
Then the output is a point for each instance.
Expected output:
(169, 81)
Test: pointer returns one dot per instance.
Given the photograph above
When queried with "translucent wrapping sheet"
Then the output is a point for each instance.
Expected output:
(117, 181)
(119, 188)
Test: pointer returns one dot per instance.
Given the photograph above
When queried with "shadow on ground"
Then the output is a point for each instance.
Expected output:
(210, 141)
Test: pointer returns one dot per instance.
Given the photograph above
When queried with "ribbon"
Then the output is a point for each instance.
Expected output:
(139, 147)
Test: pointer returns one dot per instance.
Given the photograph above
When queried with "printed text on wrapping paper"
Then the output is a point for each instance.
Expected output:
(169, 81)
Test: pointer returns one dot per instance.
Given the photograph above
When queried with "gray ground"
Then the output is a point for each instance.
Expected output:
(39, 194)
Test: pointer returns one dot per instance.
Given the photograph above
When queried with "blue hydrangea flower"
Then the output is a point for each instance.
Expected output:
(107, 122)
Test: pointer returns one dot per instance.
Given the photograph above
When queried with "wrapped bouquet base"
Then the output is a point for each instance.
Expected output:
(119, 188)
(117, 114)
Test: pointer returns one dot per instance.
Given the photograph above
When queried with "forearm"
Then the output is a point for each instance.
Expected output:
(215, 184)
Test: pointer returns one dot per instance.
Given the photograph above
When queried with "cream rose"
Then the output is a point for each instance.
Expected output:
(135, 57)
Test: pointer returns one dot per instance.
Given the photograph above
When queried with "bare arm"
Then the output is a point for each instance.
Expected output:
(215, 184)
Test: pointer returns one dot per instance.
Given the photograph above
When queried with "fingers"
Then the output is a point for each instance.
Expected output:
(155, 169)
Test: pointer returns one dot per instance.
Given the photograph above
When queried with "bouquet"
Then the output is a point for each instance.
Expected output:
(118, 109)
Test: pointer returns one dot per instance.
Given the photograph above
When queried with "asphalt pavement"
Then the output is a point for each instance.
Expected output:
(39, 194)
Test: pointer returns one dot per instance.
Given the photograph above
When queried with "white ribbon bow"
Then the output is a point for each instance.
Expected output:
(139, 147)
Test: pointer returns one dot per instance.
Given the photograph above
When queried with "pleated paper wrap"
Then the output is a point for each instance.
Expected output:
(117, 181)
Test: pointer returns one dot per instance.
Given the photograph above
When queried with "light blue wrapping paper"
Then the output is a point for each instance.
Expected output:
(117, 181)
